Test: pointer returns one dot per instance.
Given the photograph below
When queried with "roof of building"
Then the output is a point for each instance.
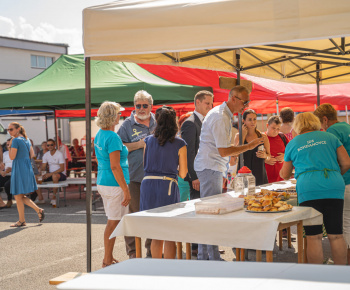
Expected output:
(25, 44)
(34, 41)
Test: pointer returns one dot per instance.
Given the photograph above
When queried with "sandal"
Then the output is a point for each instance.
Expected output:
(41, 215)
(18, 224)
(104, 265)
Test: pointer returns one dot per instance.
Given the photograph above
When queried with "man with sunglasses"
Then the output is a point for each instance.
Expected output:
(214, 151)
(56, 163)
(133, 131)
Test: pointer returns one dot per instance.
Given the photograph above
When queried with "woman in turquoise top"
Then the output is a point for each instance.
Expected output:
(22, 175)
(315, 156)
(329, 122)
(113, 173)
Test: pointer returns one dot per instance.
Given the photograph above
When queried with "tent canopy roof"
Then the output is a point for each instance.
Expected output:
(62, 86)
(206, 33)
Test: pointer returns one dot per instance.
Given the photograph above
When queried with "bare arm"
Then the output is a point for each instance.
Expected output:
(183, 162)
(31, 152)
(43, 166)
(119, 175)
(12, 153)
(286, 170)
(135, 145)
(236, 150)
(265, 154)
(47, 175)
(343, 159)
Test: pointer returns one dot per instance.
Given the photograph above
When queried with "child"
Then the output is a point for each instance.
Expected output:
(278, 144)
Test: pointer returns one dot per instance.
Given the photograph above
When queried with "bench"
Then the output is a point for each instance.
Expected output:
(79, 181)
(60, 185)
(94, 200)
(65, 277)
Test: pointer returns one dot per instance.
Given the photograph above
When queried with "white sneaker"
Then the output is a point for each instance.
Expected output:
(37, 201)
(53, 201)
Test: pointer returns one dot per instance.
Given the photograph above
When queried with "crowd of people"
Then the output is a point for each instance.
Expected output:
(153, 160)
(48, 164)
(164, 155)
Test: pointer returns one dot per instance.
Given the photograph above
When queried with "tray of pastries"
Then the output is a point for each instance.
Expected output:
(267, 204)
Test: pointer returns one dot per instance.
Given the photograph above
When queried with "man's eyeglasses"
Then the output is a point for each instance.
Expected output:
(50, 145)
(246, 103)
(10, 129)
(145, 106)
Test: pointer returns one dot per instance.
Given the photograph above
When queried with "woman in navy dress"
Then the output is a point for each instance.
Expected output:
(165, 157)
(22, 175)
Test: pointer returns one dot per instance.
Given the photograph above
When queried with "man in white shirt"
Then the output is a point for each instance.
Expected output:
(5, 175)
(56, 162)
(214, 151)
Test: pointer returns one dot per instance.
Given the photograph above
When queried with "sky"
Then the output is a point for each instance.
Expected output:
(57, 21)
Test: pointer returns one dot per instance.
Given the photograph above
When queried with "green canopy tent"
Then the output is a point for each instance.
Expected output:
(62, 86)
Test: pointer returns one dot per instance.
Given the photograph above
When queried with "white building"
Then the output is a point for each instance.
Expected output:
(21, 60)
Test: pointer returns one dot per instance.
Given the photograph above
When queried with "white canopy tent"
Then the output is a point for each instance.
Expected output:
(290, 40)
(206, 33)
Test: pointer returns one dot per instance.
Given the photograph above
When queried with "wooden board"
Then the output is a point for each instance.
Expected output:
(65, 277)
(228, 83)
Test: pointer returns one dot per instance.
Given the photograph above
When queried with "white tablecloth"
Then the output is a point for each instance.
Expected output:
(186, 274)
(180, 223)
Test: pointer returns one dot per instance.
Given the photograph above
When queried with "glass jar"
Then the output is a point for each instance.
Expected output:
(244, 184)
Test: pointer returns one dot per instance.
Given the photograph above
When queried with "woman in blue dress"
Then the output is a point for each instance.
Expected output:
(165, 157)
(22, 175)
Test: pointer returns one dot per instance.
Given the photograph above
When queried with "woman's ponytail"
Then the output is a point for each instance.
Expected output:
(23, 132)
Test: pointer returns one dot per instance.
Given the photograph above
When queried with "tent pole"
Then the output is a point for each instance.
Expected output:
(56, 130)
(238, 72)
(347, 116)
(88, 160)
(318, 83)
(277, 107)
(46, 127)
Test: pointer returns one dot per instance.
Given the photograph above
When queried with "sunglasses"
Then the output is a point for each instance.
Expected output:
(10, 129)
(244, 103)
(50, 145)
(145, 106)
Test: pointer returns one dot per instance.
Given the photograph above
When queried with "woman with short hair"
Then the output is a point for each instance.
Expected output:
(165, 157)
(113, 173)
(329, 122)
(22, 175)
(315, 156)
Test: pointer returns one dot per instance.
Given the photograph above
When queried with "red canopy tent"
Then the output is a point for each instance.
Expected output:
(265, 94)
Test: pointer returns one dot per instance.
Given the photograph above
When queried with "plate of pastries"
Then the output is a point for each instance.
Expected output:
(267, 203)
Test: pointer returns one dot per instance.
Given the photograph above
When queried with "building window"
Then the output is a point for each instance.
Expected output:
(39, 61)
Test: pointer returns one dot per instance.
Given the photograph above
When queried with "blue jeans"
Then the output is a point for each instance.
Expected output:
(210, 184)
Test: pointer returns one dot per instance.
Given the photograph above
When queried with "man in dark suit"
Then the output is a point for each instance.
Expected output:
(190, 132)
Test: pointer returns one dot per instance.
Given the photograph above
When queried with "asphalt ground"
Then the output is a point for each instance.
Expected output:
(32, 255)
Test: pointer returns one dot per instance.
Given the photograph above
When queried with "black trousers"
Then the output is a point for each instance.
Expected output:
(5, 181)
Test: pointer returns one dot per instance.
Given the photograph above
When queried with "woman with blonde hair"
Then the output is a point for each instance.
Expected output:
(319, 160)
(22, 176)
(113, 173)
(329, 122)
